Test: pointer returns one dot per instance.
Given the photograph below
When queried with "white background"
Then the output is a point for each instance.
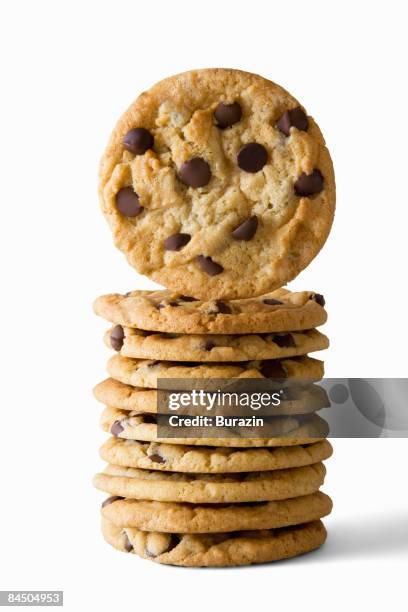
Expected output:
(69, 70)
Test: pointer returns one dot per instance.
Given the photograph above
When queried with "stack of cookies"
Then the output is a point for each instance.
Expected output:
(217, 184)
(217, 501)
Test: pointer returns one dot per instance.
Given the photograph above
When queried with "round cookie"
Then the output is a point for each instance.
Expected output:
(142, 344)
(222, 207)
(147, 373)
(143, 427)
(173, 517)
(290, 431)
(210, 488)
(279, 311)
(217, 550)
(216, 460)
(301, 400)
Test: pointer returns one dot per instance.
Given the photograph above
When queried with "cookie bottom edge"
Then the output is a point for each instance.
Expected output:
(217, 550)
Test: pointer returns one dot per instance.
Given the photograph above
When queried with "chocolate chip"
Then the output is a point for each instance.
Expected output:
(246, 230)
(252, 157)
(148, 417)
(222, 307)
(272, 302)
(187, 298)
(116, 428)
(157, 458)
(128, 546)
(138, 141)
(195, 172)
(116, 337)
(175, 242)
(309, 184)
(160, 305)
(174, 540)
(110, 500)
(272, 368)
(209, 266)
(319, 298)
(127, 202)
(227, 114)
(296, 117)
(209, 345)
(284, 340)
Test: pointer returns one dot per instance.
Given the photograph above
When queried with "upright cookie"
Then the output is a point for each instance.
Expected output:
(216, 182)
(219, 549)
(163, 311)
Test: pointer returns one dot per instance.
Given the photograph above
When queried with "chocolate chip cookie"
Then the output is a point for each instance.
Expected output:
(217, 550)
(217, 460)
(173, 517)
(217, 183)
(210, 488)
(147, 373)
(164, 311)
(142, 344)
(300, 400)
(277, 430)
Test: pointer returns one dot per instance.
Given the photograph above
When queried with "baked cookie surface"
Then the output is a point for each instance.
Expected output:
(274, 431)
(140, 344)
(279, 311)
(271, 485)
(147, 373)
(215, 182)
(217, 550)
(173, 517)
(301, 400)
(217, 460)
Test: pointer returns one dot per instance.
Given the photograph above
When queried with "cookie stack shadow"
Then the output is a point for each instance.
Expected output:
(213, 501)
